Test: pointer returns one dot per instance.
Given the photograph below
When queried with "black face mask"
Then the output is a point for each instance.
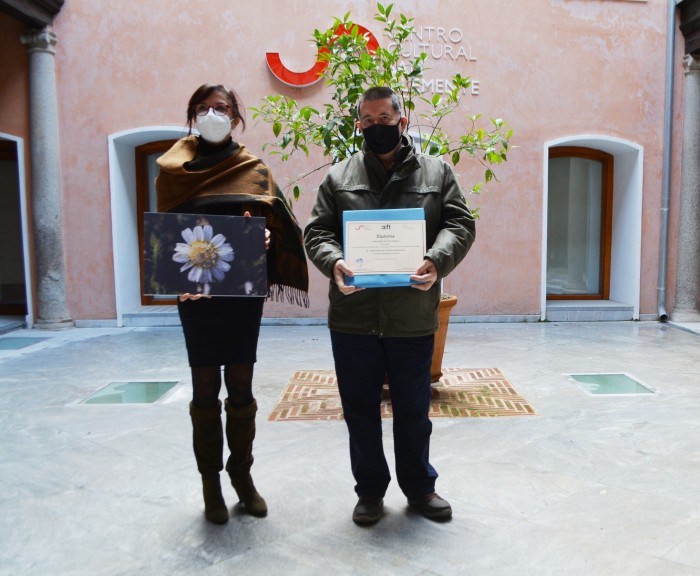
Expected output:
(382, 138)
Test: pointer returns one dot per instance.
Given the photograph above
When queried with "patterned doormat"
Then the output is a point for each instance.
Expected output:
(460, 393)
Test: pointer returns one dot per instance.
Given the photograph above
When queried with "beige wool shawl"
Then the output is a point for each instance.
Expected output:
(240, 181)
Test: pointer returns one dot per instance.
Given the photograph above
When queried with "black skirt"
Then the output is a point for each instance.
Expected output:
(221, 330)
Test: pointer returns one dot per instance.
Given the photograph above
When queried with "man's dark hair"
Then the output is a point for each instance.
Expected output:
(379, 93)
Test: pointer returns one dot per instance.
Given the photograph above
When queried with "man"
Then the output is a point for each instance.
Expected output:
(378, 332)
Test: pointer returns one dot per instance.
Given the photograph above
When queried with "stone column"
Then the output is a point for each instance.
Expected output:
(687, 303)
(52, 312)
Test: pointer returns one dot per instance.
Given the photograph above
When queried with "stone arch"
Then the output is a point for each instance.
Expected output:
(625, 272)
(24, 215)
(122, 184)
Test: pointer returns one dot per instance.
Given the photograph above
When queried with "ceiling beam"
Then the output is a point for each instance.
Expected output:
(33, 13)
(690, 25)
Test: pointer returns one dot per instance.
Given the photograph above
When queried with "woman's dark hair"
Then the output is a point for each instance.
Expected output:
(204, 91)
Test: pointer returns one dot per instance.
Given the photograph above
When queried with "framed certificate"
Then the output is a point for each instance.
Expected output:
(383, 247)
(208, 254)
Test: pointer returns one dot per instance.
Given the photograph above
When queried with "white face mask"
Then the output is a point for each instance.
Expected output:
(213, 128)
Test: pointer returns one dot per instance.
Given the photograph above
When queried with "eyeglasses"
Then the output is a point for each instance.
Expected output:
(219, 109)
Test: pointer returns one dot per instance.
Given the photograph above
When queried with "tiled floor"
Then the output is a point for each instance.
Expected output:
(589, 485)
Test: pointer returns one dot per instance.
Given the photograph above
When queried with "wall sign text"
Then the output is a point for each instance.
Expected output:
(437, 42)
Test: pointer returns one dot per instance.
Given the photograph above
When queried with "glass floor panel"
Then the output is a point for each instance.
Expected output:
(129, 393)
(17, 343)
(609, 384)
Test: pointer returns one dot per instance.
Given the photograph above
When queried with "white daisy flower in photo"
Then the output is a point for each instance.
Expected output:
(206, 256)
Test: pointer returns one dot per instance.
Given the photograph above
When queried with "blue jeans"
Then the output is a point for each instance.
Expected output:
(361, 363)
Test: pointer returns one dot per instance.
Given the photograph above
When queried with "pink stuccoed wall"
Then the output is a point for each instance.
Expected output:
(551, 68)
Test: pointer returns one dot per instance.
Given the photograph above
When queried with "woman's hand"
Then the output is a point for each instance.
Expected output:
(268, 235)
(188, 296)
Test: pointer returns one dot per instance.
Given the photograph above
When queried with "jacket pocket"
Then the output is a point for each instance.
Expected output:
(356, 198)
(422, 189)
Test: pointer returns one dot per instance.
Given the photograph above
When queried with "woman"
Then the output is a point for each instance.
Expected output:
(213, 174)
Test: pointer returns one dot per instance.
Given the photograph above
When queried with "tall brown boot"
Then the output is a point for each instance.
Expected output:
(208, 443)
(240, 433)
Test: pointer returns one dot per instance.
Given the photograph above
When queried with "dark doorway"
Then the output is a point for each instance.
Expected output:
(13, 289)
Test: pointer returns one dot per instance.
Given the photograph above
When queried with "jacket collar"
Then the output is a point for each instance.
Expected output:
(406, 160)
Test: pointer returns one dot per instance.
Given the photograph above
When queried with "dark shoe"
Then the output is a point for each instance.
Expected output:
(240, 433)
(368, 510)
(214, 506)
(208, 444)
(433, 507)
(253, 503)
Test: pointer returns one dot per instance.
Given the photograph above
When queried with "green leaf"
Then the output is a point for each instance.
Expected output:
(350, 70)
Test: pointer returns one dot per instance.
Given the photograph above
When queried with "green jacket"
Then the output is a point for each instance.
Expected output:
(362, 183)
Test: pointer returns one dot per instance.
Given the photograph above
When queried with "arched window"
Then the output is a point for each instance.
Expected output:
(146, 172)
(579, 223)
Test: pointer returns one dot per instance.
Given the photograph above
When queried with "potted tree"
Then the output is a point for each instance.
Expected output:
(352, 60)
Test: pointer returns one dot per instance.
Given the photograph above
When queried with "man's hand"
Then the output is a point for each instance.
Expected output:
(426, 275)
(340, 270)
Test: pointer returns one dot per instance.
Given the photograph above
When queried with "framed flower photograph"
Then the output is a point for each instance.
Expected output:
(205, 254)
